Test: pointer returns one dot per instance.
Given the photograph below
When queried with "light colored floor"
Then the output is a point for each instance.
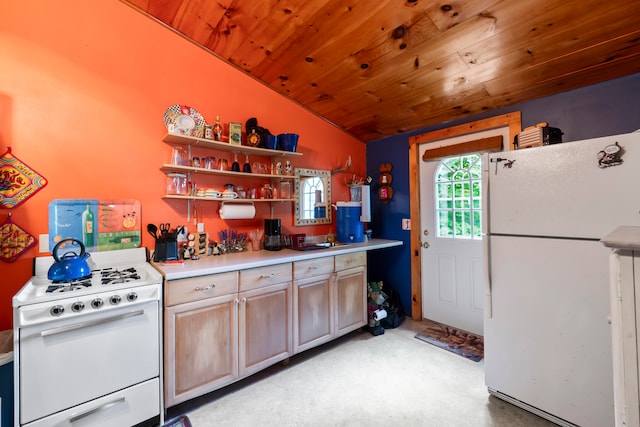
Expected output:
(362, 380)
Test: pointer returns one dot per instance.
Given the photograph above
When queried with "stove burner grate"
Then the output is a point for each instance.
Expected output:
(75, 285)
(111, 276)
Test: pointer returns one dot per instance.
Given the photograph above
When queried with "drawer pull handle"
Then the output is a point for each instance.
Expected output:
(95, 410)
(268, 276)
(208, 288)
(314, 267)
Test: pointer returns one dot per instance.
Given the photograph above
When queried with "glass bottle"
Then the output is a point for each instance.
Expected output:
(217, 129)
(88, 231)
(246, 168)
(235, 166)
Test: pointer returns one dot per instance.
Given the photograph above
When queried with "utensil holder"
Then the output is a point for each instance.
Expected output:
(166, 249)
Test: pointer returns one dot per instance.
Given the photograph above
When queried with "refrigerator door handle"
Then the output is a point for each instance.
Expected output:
(486, 264)
(486, 253)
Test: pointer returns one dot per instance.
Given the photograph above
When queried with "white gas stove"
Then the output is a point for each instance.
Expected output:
(106, 327)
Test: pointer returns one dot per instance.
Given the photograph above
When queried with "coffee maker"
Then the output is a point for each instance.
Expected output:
(272, 235)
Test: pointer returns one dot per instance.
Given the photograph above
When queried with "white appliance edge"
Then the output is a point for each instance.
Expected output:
(547, 337)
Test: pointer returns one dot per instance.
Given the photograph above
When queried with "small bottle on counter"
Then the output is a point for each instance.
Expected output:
(217, 129)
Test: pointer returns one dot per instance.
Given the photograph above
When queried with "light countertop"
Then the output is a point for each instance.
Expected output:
(624, 237)
(251, 259)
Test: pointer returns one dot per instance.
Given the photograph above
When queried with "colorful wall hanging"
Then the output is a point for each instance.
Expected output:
(14, 241)
(18, 181)
(385, 191)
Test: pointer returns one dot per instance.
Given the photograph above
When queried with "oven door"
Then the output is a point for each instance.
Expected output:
(67, 362)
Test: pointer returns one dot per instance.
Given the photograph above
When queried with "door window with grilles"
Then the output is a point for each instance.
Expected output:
(458, 197)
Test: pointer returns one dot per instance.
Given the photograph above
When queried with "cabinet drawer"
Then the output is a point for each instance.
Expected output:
(201, 287)
(264, 276)
(355, 259)
(312, 267)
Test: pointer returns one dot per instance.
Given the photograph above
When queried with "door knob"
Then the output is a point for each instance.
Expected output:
(425, 245)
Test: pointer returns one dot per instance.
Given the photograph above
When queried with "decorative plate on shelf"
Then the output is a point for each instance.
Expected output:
(184, 120)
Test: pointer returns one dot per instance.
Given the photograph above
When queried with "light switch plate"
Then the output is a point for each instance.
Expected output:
(406, 223)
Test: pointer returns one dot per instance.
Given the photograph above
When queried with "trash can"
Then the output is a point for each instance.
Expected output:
(6, 378)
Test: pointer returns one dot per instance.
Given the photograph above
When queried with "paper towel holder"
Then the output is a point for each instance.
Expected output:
(237, 210)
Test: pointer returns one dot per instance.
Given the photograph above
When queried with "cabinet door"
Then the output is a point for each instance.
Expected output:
(313, 307)
(265, 327)
(200, 347)
(351, 300)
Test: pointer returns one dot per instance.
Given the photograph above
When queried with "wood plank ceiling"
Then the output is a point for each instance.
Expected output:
(376, 68)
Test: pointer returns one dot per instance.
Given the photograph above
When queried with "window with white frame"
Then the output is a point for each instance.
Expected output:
(458, 197)
(310, 194)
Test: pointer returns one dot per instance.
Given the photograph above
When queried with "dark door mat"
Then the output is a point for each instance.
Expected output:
(451, 339)
(181, 421)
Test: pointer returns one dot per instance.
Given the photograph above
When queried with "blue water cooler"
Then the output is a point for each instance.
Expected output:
(352, 215)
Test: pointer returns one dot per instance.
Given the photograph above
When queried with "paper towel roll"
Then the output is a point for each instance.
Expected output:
(379, 314)
(365, 212)
(237, 211)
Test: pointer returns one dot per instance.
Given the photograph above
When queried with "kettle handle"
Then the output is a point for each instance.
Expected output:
(55, 248)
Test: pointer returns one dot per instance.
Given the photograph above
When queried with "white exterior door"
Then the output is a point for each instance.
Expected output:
(450, 226)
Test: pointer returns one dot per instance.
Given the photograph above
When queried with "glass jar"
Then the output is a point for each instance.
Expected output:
(265, 191)
(242, 193)
(176, 183)
(178, 156)
(285, 189)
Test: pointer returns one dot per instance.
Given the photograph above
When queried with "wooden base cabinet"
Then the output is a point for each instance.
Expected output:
(223, 327)
(265, 317)
(202, 343)
(351, 300)
(265, 327)
(329, 298)
(313, 303)
(201, 335)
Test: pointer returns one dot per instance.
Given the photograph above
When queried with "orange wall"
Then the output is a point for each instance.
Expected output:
(83, 89)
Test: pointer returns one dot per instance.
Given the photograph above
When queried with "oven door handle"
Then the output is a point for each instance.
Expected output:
(94, 410)
(63, 329)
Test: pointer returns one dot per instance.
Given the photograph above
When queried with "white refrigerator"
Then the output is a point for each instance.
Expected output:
(547, 332)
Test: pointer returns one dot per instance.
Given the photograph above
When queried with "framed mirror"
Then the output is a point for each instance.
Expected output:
(313, 197)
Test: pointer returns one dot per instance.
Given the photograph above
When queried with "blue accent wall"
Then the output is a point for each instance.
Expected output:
(608, 108)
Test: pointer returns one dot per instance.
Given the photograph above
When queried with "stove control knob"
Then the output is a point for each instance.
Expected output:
(56, 310)
(115, 299)
(132, 296)
(97, 303)
(77, 306)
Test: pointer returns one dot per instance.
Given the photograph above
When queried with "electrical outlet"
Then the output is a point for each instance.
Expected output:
(43, 242)
(406, 223)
